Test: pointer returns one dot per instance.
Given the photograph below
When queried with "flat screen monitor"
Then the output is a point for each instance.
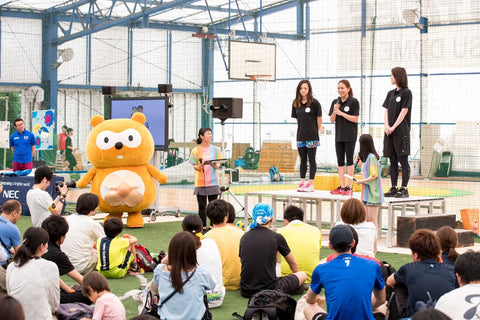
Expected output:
(155, 110)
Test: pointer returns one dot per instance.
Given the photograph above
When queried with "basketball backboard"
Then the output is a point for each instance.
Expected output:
(252, 60)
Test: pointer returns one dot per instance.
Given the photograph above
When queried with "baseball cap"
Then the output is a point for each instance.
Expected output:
(341, 237)
(262, 214)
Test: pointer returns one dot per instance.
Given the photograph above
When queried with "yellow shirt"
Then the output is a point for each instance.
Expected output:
(228, 242)
(305, 242)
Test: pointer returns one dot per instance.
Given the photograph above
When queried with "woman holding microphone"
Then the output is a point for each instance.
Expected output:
(344, 113)
(207, 184)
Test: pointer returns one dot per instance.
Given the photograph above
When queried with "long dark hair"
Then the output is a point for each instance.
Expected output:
(347, 84)
(448, 241)
(400, 75)
(298, 97)
(182, 256)
(366, 147)
(32, 239)
(193, 223)
(201, 132)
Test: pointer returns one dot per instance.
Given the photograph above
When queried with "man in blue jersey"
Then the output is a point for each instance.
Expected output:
(348, 282)
(22, 144)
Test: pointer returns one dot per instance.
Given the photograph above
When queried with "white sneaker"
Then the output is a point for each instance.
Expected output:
(308, 187)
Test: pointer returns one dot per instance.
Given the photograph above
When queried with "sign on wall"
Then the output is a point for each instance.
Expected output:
(43, 124)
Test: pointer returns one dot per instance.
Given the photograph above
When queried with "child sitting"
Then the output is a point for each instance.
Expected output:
(115, 254)
(107, 305)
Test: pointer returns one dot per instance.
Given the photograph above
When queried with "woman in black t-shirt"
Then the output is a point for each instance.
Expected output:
(396, 141)
(344, 113)
(308, 113)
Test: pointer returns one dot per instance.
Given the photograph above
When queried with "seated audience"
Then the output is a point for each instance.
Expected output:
(348, 281)
(10, 235)
(258, 254)
(32, 280)
(353, 213)
(462, 303)
(57, 228)
(227, 238)
(82, 232)
(107, 305)
(448, 242)
(11, 308)
(426, 277)
(183, 277)
(116, 254)
(304, 240)
(207, 255)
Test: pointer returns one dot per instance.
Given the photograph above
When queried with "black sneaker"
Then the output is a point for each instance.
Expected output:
(392, 192)
(402, 193)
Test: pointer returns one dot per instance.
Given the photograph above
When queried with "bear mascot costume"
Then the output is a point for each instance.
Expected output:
(119, 150)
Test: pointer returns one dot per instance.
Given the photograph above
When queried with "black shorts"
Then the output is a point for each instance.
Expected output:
(288, 284)
(395, 146)
(320, 316)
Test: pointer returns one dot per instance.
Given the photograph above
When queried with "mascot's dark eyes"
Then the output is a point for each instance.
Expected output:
(107, 139)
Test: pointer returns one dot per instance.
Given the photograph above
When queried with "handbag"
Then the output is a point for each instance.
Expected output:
(151, 305)
(74, 311)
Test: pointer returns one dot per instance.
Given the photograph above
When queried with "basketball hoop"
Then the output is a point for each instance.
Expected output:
(259, 77)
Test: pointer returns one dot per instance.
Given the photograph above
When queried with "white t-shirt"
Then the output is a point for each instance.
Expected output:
(209, 255)
(367, 235)
(39, 202)
(80, 238)
(36, 286)
(457, 302)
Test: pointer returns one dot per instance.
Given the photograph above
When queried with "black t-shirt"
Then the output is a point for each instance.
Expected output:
(258, 254)
(345, 130)
(307, 129)
(56, 255)
(422, 276)
(395, 101)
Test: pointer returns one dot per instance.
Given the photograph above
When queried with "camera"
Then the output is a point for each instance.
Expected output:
(69, 184)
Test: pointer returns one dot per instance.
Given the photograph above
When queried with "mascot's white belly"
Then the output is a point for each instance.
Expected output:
(122, 187)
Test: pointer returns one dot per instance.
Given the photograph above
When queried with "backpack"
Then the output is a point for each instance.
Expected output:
(145, 259)
(274, 174)
(274, 304)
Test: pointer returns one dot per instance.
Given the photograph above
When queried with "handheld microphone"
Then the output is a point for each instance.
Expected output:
(200, 160)
(339, 100)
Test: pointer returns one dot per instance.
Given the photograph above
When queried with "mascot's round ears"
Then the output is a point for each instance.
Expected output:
(137, 116)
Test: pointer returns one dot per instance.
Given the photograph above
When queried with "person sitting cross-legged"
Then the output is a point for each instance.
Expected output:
(348, 281)
(258, 253)
(426, 278)
(57, 228)
(116, 255)
(227, 237)
(462, 303)
(303, 239)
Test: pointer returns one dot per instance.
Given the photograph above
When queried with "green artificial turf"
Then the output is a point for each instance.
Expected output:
(156, 237)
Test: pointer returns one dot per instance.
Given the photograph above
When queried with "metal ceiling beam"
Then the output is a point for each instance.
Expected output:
(279, 6)
(95, 20)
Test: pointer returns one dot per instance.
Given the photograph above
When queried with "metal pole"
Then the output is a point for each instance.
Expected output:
(6, 119)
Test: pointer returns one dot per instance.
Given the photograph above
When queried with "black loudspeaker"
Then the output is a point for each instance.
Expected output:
(226, 108)
(165, 88)
(109, 90)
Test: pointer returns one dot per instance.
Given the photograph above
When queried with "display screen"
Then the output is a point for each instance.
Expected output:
(155, 110)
